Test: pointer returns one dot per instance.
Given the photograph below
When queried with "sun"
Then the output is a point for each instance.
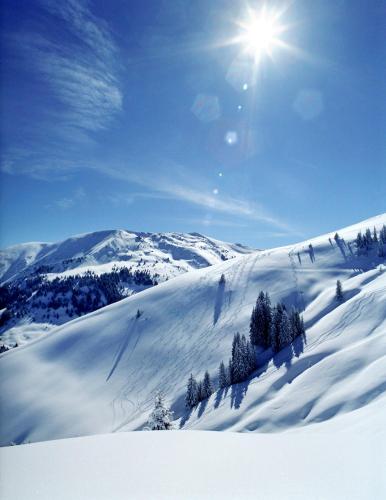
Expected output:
(260, 32)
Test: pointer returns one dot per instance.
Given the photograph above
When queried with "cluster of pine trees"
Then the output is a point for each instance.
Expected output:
(198, 391)
(270, 327)
(241, 363)
(274, 327)
(370, 239)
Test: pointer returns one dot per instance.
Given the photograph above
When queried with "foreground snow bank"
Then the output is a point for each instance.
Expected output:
(342, 458)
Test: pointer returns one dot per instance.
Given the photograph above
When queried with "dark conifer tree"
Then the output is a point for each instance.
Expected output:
(297, 324)
(275, 328)
(339, 291)
(222, 376)
(369, 238)
(207, 387)
(285, 337)
(200, 392)
(260, 324)
(191, 397)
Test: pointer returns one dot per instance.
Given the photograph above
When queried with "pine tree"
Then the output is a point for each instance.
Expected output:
(207, 387)
(359, 242)
(369, 238)
(382, 234)
(251, 357)
(238, 372)
(339, 291)
(230, 372)
(200, 392)
(191, 397)
(260, 324)
(285, 337)
(235, 342)
(275, 328)
(222, 280)
(267, 310)
(222, 376)
(161, 416)
(297, 324)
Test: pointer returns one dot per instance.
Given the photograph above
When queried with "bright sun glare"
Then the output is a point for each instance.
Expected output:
(260, 32)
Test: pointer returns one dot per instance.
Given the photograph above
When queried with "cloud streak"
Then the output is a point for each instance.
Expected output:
(178, 184)
(82, 72)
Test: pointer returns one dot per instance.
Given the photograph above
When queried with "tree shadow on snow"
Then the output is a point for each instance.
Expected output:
(185, 417)
(220, 394)
(238, 393)
(298, 345)
(283, 357)
(202, 407)
(218, 302)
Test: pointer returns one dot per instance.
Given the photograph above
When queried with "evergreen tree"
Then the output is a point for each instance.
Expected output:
(237, 367)
(260, 324)
(297, 324)
(339, 291)
(382, 234)
(161, 416)
(222, 280)
(236, 341)
(275, 328)
(191, 397)
(285, 336)
(230, 372)
(359, 242)
(200, 392)
(375, 236)
(222, 376)
(369, 238)
(267, 309)
(207, 387)
(251, 357)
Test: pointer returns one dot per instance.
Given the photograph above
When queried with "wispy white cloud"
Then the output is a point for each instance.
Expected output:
(89, 29)
(178, 183)
(81, 71)
(69, 202)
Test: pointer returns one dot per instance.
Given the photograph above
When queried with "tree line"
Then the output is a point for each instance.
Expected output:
(76, 295)
(370, 239)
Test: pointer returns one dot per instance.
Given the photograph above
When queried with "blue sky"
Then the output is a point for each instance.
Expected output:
(150, 116)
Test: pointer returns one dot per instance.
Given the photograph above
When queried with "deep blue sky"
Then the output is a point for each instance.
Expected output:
(130, 114)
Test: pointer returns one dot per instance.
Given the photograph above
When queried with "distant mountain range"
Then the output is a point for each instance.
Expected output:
(51, 283)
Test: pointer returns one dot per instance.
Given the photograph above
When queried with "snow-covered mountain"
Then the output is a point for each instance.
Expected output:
(99, 373)
(168, 254)
(49, 284)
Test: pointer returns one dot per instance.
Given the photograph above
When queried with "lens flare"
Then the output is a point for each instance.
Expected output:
(260, 32)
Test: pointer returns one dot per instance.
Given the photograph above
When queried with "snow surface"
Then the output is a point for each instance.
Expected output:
(99, 373)
(25, 332)
(343, 458)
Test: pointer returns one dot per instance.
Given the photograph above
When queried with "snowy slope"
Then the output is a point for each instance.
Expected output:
(339, 459)
(99, 373)
(169, 254)
(53, 283)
